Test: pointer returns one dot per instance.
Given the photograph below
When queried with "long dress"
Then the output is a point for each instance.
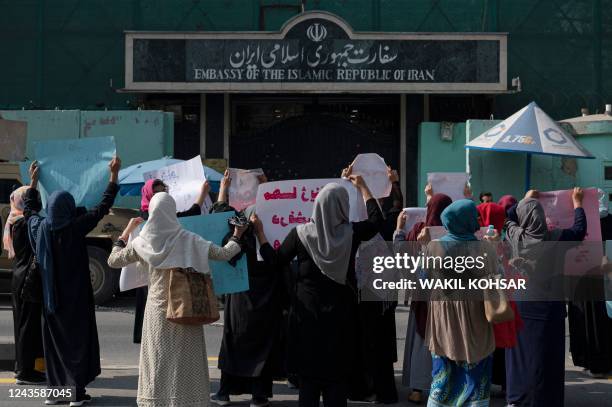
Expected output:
(373, 373)
(589, 325)
(251, 353)
(141, 292)
(535, 367)
(70, 335)
(173, 370)
(26, 314)
(322, 317)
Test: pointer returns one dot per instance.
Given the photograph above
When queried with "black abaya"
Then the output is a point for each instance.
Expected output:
(589, 325)
(26, 314)
(321, 339)
(70, 335)
(250, 348)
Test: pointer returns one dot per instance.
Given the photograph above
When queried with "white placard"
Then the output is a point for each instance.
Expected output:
(373, 169)
(184, 180)
(414, 216)
(133, 276)
(243, 189)
(282, 205)
(449, 183)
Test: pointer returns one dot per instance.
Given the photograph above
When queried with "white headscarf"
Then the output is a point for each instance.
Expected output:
(329, 237)
(164, 244)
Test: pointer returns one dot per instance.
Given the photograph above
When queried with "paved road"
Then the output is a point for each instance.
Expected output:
(117, 385)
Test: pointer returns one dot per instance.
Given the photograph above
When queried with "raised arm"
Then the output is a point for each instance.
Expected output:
(367, 229)
(287, 250)
(87, 222)
(226, 181)
(231, 248)
(578, 230)
(396, 190)
(122, 255)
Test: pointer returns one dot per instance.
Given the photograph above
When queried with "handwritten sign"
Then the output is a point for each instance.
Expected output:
(449, 183)
(184, 180)
(13, 137)
(243, 189)
(79, 166)
(227, 279)
(283, 205)
(373, 169)
(559, 210)
(414, 216)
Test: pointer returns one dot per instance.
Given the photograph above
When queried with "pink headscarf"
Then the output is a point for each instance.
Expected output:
(147, 194)
(17, 206)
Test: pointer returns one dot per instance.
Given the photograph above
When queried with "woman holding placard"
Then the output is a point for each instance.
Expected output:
(26, 293)
(173, 363)
(321, 313)
(70, 335)
(535, 367)
(150, 188)
(416, 372)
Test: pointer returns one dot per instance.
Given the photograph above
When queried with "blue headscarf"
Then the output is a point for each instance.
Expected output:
(61, 210)
(460, 220)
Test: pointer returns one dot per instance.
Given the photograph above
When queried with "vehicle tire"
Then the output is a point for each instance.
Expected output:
(104, 279)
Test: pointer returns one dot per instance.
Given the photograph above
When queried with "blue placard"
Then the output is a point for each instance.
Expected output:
(213, 227)
(79, 166)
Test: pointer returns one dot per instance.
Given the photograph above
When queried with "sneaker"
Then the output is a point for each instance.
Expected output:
(260, 402)
(220, 400)
(36, 378)
(81, 400)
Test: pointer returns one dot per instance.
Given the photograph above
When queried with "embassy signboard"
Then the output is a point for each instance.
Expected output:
(316, 52)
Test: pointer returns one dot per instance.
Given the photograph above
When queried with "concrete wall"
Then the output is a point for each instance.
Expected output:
(591, 172)
(139, 135)
(437, 155)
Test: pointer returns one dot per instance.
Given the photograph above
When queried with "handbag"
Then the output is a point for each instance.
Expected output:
(497, 307)
(191, 300)
(31, 290)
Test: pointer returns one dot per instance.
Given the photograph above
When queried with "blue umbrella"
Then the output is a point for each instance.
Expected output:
(530, 131)
(131, 179)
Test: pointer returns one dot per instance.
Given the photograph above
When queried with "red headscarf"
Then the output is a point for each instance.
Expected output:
(147, 194)
(491, 214)
(495, 214)
(507, 201)
(435, 207)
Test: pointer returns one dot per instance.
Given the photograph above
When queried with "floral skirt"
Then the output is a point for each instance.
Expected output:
(460, 383)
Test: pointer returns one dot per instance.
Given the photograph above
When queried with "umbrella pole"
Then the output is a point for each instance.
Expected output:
(528, 173)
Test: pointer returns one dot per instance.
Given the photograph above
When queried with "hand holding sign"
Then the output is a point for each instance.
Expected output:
(452, 184)
(184, 180)
(243, 187)
(79, 166)
(375, 171)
